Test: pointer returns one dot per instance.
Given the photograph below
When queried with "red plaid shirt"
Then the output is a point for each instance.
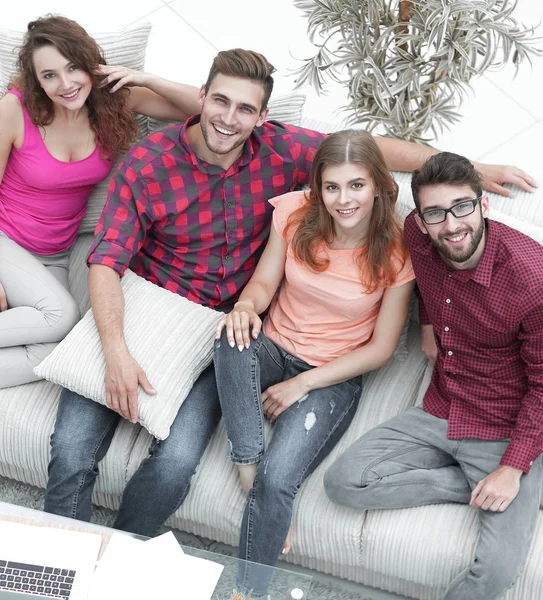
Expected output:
(192, 227)
(488, 324)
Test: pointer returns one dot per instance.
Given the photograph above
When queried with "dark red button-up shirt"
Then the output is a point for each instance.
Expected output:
(192, 227)
(488, 324)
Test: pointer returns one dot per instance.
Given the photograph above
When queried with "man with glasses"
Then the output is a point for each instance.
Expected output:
(479, 436)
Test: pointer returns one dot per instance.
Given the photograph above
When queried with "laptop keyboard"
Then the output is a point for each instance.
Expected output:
(38, 580)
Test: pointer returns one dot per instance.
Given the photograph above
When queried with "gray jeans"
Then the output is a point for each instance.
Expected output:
(408, 461)
(41, 310)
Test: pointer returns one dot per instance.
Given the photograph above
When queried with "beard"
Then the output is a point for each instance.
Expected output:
(219, 149)
(464, 253)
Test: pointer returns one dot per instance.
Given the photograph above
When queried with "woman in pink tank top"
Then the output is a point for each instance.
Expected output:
(64, 120)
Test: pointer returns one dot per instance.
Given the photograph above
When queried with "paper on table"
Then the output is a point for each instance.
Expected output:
(156, 568)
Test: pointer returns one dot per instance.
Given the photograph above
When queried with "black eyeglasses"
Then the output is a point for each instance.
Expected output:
(460, 210)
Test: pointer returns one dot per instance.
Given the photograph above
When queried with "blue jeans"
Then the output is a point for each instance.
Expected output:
(303, 436)
(83, 432)
(409, 461)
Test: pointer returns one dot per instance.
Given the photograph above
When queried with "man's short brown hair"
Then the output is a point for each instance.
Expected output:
(244, 64)
(445, 168)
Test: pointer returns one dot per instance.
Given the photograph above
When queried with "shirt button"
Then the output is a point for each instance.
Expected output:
(229, 204)
(446, 329)
(531, 463)
(449, 352)
(227, 257)
(448, 301)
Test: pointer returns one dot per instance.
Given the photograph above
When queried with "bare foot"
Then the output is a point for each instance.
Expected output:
(288, 543)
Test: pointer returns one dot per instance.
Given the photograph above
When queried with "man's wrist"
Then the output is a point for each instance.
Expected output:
(310, 380)
(511, 470)
(112, 350)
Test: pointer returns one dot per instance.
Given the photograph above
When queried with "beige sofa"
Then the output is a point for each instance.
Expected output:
(415, 552)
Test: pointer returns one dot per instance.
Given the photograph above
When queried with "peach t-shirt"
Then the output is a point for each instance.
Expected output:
(321, 316)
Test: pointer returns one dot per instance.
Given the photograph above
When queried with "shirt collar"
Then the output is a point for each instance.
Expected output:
(483, 271)
(249, 149)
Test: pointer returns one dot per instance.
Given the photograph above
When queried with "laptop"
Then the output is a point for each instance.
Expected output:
(46, 562)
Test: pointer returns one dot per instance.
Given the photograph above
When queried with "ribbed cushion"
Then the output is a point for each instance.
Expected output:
(417, 552)
(287, 109)
(27, 418)
(170, 337)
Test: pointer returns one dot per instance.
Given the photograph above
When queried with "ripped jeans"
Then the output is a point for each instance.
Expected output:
(303, 436)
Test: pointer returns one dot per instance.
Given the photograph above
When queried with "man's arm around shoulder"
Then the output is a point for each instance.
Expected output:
(401, 155)
(123, 374)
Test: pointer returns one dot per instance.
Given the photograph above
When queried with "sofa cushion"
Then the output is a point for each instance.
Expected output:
(169, 336)
(27, 419)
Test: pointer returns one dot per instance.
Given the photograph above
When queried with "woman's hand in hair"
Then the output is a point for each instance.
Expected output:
(277, 398)
(241, 323)
(123, 76)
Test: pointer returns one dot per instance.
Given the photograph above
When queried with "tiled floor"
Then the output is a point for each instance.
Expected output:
(502, 117)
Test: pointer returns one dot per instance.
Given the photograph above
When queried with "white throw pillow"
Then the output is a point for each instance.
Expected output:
(169, 336)
(126, 47)
(287, 109)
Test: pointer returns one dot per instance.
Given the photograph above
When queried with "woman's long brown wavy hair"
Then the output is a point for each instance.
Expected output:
(312, 225)
(110, 117)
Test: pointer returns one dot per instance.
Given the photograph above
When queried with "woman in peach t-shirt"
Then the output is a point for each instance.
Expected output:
(336, 253)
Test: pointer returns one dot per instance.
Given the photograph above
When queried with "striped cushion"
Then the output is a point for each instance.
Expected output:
(170, 337)
(27, 418)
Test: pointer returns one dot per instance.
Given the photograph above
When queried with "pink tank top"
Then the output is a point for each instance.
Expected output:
(43, 199)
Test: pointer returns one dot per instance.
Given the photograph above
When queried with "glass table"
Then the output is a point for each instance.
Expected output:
(285, 584)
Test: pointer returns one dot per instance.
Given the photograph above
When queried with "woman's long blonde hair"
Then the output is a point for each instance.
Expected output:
(382, 253)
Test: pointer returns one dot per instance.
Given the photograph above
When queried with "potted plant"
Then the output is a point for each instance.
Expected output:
(406, 63)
